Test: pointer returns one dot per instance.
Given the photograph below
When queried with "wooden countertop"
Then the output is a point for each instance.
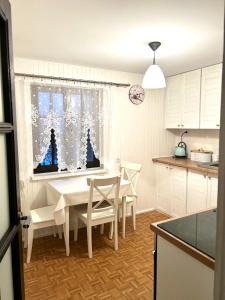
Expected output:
(187, 164)
(195, 253)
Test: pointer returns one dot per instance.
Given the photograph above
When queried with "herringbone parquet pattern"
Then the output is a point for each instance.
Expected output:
(123, 274)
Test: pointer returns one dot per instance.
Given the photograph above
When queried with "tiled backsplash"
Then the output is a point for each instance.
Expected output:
(202, 138)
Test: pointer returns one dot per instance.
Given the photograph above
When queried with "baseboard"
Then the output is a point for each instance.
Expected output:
(145, 210)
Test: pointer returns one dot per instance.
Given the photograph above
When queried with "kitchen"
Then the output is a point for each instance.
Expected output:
(133, 107)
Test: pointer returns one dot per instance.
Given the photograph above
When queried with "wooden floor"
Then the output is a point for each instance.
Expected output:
(123, 274)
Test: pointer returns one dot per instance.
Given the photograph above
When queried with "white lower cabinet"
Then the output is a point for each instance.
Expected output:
(171, 189)
(196, 192)
(163, 188)
(180, 192)
(178, 186)
(212, 192)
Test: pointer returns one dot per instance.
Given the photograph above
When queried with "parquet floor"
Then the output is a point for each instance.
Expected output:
(123, 274)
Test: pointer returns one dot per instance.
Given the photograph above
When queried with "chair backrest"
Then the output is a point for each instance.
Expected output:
(103, 190)
(131, 172)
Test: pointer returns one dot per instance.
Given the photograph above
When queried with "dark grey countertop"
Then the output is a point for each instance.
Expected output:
(198, 230)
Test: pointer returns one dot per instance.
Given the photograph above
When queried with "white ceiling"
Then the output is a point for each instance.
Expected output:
(114, 34)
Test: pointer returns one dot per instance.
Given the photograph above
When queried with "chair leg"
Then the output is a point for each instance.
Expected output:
(25, 238)
(116, 233)
(54, 230)
(101, 229)
(75, 228)
(133, 208)
(89, 240)
(124, 217)
(111, 231)
(60, 231)
(30, 235)
(66, 238)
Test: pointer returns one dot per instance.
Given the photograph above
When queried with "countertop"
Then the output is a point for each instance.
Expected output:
(195, 234)
(187, 164)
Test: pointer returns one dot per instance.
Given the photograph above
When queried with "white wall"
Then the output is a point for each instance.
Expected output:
(139, 132)
(200, 138)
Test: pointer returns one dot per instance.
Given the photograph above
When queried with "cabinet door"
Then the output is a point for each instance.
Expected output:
(178, 180)
(191, 104)
(174, 101)
(211, 96)
(212, 192)
(196, 192)
(163, 188)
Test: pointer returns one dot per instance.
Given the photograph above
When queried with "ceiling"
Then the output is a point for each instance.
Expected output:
(115, 34)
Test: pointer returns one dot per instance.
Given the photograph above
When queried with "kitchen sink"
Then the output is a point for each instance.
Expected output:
(209, 165)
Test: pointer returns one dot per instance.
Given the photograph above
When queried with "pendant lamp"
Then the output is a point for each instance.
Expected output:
(154, 77)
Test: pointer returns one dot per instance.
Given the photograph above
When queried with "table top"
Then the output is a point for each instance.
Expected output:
(68, 186)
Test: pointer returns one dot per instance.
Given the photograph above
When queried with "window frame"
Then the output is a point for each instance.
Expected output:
(53, 168)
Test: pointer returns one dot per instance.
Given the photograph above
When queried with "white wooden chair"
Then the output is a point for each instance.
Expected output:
(131, 172)
(40, 218)
(96, 213)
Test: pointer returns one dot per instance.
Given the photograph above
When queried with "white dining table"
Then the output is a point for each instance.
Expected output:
(68, 192)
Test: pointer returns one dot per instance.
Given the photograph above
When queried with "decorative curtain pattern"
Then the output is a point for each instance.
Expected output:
(71, 112)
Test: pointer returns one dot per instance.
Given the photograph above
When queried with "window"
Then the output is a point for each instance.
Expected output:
(66, 128)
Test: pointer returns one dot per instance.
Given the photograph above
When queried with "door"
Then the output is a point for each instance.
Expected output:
(178, 180)
(11, 267)
(211, 97)
(196, 192)
(163, 188)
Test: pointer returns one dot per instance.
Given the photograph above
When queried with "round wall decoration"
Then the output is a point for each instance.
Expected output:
(136, 94)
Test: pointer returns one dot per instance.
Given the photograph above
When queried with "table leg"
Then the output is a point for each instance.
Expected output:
(66, 229)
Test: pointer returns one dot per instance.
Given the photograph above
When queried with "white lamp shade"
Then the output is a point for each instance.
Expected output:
(154, 78)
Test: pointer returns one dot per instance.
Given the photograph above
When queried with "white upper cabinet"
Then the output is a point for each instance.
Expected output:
(211, 96)
(174, 101)
(183, 100)
(191, 103)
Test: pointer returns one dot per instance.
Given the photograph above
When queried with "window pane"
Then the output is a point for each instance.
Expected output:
(43, 103)
(6, 277)
(1, 90)
(4, 200)
(57, 99)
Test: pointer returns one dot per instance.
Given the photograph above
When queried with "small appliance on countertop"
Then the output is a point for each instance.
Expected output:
(181, 148)
(201, 155)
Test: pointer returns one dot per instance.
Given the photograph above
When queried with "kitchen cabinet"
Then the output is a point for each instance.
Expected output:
(171, 190)
(211, 83)
(183, 100)
(163, 197)
(196, 192)
(178, 186)
(212, 192)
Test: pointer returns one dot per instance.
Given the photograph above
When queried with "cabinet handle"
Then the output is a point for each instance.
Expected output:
(217, 125)
(182, 125)
(178, 125)
(209, 178)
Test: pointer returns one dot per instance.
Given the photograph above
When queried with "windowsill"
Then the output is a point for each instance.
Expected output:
(47, 176)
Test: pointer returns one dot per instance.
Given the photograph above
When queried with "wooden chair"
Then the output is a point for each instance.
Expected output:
(40, 218)
(102, 208)
(131, 172)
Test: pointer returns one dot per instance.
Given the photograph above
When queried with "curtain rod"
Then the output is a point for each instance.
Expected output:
(73, 79)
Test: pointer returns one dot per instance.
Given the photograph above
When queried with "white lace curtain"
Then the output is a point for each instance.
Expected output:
(73, 113)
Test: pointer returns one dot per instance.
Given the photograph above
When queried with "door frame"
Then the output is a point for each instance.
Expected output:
(219, 286)
(13, 236)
